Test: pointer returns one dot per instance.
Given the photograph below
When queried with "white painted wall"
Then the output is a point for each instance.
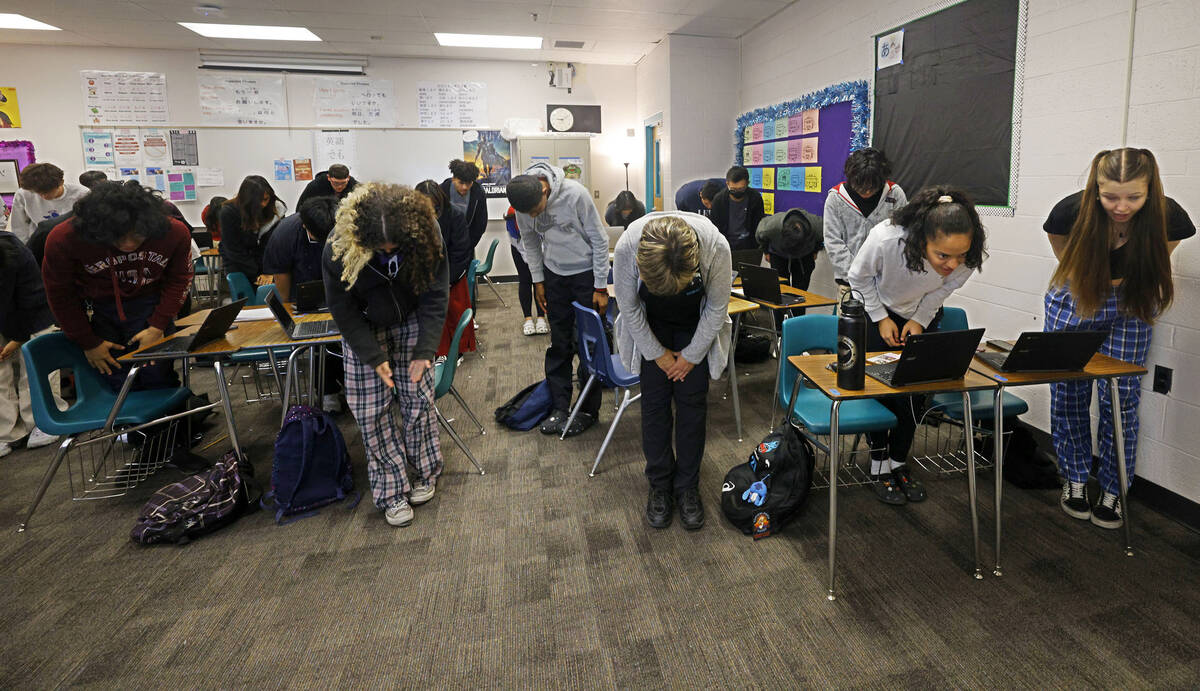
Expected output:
(1073, 107)
(654, 98)
(704, 99)
(52, 110)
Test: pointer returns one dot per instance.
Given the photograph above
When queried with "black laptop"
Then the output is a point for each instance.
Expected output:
(215, 326)
(310, 296)
(762, 283)
(1047, 351)
(929, 357)
(752, 257)
(299, 330)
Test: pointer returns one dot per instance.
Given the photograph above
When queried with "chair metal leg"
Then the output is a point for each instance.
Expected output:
(497, 292)
(458, 397)
(613, 428)
(457, 440)
(587, 388)
(46, 478)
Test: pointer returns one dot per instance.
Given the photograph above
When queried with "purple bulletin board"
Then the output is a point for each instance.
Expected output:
(22, 153)
(795, 151)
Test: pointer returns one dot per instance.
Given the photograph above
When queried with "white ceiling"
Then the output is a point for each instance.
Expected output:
(616, 32)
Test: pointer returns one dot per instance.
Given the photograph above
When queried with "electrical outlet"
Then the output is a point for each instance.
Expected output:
(1162, 379)
(596, 194)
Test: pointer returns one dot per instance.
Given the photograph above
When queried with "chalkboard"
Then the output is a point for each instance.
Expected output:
(946, 113)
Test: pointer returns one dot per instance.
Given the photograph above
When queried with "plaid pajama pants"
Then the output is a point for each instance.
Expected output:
(1070, 401)
(399, 426)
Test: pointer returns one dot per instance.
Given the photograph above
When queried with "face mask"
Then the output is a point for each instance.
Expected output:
(738, 195)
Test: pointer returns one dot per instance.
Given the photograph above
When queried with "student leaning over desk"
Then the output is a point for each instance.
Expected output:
(1113, 242)
(853, 207)
(386, 280)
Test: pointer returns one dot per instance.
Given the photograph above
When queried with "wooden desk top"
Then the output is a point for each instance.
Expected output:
(210, 252)
(1099, 367)
(814, 369)
(264, 333)
(810, 299)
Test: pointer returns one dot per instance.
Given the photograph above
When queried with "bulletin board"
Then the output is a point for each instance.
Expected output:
(14, 156)
(795, 151)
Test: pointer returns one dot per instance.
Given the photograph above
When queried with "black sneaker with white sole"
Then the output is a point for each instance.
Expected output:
(1107, 512)
(1074, 500)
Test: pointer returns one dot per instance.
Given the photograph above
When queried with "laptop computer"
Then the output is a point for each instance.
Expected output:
(1047, 351)
(751, 257)
(299, 330)
(929, 357)
(762, 283)
(310, 296)
(215, 326)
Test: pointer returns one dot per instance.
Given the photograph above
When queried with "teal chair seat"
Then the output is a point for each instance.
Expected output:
(981, 405)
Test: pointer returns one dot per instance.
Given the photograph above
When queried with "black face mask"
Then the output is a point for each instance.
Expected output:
(739, 196)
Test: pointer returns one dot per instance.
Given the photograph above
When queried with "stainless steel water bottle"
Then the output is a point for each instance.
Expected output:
(852, 342)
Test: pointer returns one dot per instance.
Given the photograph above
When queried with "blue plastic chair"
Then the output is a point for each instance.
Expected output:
(240, 287)
(94, 400)
(604, 368)
(443, 383)
(982, 402)
(485, 268)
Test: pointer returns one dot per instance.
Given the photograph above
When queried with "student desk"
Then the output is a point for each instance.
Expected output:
(813, 368)
(1099, 367)
(210, 262)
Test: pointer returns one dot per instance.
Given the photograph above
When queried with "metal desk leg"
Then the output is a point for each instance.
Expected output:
(227, 406)
(835, 463)
(733, 383)
(998, 466)
(969, 428)
(776, 342)
(1122, 473)
(274, 373)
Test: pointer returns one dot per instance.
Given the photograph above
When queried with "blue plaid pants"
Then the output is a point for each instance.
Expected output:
(399, 426)
(1070, 401)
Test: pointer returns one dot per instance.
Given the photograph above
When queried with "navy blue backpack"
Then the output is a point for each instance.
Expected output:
(311, 468)
(528, 408)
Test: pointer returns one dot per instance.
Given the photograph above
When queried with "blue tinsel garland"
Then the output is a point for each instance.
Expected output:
(855, 92)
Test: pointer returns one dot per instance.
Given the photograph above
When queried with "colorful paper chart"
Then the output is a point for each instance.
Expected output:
(182, 186)
(768, 203)
(793, 151)
(812, 179)
(794, 123)
(783, 179)
(747, 155)
(810, 121)
(768, 178)
(781, 128)
(781, 153)
(756, 178)
(749, 134)
(756, 157)
(758, 132)
(808, 150)
(768, 155)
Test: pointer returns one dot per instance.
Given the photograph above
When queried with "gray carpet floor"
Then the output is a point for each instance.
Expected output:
(537, 576)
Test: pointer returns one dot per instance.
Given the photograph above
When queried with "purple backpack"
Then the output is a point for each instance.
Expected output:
(194, 506)
(311, 468)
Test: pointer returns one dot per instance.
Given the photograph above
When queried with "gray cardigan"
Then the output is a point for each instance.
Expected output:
(635, 341)
(846, 228)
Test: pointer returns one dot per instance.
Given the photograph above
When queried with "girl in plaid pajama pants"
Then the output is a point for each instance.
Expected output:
(385, 276)
(1113, 241)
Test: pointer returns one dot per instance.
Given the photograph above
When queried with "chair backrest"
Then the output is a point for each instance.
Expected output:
(260, 295)
(445, 377)
(472, 272)
(486, 267)
(593, 345)
(953, 319)
(808, 332)
(239, 287)
(47, 354)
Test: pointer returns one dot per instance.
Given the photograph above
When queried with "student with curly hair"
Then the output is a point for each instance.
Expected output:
(905, 269)
(123, 257)
(1113, 242)
(386, 282)
(466, 196)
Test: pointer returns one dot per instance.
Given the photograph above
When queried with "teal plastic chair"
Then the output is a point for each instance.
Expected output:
(94, 400)
(258, 355)
(982, 402)
(240, 287)
(443, 383)
(472, 273)
(486, 268)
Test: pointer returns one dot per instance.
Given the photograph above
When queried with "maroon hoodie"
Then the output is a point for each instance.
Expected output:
(75, 270)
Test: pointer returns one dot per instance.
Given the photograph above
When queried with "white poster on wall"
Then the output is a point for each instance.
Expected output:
(124, 98)
(452, 104)
(361, 101)
(154, 146)
(242, 99)
(127, 147)
(889, 50)
(334, 146)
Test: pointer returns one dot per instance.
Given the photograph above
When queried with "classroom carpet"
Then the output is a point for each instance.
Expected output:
(536, 575)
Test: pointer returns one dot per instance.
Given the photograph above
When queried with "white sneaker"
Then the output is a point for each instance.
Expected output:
(38, 439)
(399, 515)
(5, 448)
(542, 326)
(527, 329)
(421, 493)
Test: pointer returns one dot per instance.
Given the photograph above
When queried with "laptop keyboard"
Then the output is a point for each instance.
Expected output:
(884, 372)
(995, 360)
(179, 344)
(317, 328)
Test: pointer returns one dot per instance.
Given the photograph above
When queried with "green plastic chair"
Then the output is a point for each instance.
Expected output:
(443, 383)
(485, 268)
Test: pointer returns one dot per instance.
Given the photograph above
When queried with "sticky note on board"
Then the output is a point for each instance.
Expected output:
(756, 155)
(783, 179)
(749, 134)
(768, 178)
(781, 128)
(808, 150)
(812, 179)
(793, 151)
(747, 155)
(768, 153)
(780, 153)
(769, 202)
(810, 121)
(758, 131)
(756, 178)
(794, 123)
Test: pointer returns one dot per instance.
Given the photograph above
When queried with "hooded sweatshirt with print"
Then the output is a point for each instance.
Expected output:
(567, 238)
(846, 228)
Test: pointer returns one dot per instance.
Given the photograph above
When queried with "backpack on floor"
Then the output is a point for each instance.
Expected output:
(764, 493)
(528, 408)
(751, 348)
(196, 505)
(311, 467)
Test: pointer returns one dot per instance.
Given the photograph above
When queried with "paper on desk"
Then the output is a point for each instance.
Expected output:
(254, 314)
(739, 292)
(883, 358)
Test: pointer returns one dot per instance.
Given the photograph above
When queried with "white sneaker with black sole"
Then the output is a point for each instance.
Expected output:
(421, 493)
(38, 439)
(399, 515)
(1107, 512)
(1074, 501)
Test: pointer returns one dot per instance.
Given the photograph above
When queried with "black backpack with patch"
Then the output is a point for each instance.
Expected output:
(761, 495)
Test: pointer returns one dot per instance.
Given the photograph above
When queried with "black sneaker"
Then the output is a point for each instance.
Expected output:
(1074, 501)
(554, 423)
(691, 509)
(887, 490)
(658, 508)
(913, 490)
(1107, 512)
(582, 422)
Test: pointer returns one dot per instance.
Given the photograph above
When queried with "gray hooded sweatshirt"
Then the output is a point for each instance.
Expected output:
(567, 238)
(846, 228)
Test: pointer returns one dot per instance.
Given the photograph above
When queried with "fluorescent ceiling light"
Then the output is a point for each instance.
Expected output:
(282, 63)
(20, 21)
(260, 33)
(489, 41)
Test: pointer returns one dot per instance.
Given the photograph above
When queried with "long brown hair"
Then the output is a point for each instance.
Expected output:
(1147, 289)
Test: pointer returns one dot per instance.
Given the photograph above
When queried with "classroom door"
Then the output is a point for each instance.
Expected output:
(654, 166)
